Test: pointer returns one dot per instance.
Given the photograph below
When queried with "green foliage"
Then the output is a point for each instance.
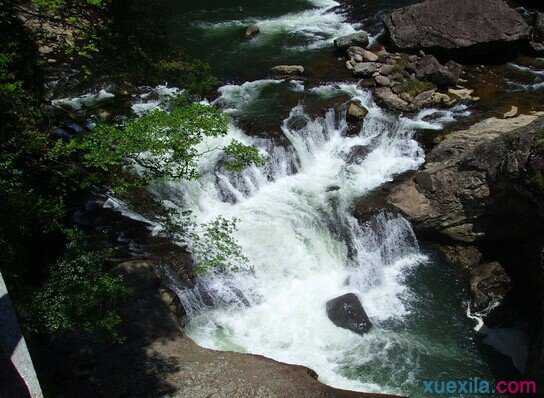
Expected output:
(212, 244)
(80, 295)
(239, 156)
(193, 75)
(158, 145)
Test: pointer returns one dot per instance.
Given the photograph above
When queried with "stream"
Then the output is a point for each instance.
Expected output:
(294, 213)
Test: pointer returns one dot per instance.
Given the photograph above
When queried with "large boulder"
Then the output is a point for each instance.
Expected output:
(347, 312)
(359, 39)
(478, 180)
(461, 27)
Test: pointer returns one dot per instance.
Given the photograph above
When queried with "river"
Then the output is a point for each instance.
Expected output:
(294, 214)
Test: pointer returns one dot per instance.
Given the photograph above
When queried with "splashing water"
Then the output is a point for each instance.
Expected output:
(315, 28)
(305, 247)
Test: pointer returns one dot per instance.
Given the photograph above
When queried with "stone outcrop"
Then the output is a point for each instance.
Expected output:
(481, 196)
(488, 175)
(489, 284)
(461, 27)
(347, 312)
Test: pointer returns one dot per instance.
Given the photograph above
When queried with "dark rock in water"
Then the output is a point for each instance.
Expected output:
(357, 154)
(347, 312)
(466, 257)
(355, 115)
(457, 28)
(333, 188)
(359, 39)
(537, 35)
(288, 70)
(251, 31)
(428, 68)
(489, 284)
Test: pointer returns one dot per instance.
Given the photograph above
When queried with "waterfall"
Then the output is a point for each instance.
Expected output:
(303, 244)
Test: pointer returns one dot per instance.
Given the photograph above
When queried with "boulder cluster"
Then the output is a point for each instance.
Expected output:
(403, 82)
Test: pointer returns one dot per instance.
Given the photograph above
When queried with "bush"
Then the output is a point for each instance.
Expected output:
(80, 295)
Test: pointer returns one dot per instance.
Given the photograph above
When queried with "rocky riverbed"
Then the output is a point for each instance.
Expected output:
(436, 120)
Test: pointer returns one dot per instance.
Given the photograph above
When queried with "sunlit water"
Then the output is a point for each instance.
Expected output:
(305, 248)
(294, 214)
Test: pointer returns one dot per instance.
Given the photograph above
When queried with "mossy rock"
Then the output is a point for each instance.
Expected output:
(415, 87)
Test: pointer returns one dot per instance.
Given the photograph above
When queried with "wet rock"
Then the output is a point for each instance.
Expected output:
(347, 312)
(357, 154)
(537, 35)
(333, 188)
(424, 99)
(251, 31)
(472, 187)
(489, 284)
(359, 39)
(369, 56)
(466, 257)
(355, 115)
(463, 94)
(356, 112)
(387, 69)
(288, 70)
(365, 69)
(387, 98)
(462, 27)
(428, 68)
(366, 83)
(382, 81)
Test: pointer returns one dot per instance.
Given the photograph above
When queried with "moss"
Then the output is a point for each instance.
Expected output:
(415, 87)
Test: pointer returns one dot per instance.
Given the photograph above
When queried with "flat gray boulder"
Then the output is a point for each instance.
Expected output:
(482, 26)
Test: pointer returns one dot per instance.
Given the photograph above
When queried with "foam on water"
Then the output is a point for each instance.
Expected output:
(317, 27)
(305, 247)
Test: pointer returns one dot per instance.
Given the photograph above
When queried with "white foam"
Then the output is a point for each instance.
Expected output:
(305, 247)
(84, 101)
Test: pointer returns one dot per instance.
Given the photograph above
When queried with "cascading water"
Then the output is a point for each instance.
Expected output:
(305, 247)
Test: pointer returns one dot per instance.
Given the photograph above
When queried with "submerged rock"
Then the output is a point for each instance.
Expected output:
(463, 27)
(347, 312)
(359, 39)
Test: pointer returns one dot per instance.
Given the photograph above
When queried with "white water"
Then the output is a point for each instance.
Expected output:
(304, 246)
(317, 26)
